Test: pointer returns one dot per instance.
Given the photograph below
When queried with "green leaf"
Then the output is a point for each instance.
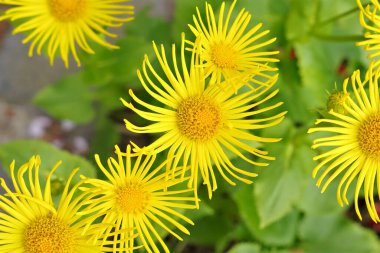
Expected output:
(22, 150)
(280, 233)
(70, 99)
(300, 19)
(317, 70)
(245, 248)
(314, 202)
(295, 96)
(210, 229)
(279, 186)
(334, 233)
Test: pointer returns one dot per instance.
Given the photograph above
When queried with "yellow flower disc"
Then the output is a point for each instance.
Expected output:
(48, 234)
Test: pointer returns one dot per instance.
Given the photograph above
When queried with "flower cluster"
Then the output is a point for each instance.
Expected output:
(208, 108)
(350, 142)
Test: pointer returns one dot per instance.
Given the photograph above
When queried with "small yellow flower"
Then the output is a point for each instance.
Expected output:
(60, 26)
(353, 143)
(229, 46)
(138, 197)
(370, 20)
(29, 221)
(200, 124)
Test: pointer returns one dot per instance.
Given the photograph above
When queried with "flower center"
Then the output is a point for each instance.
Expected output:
(48, 234)
(132, 198)
(223, 56)
(198, 118)
(67, 10)
(369, 136)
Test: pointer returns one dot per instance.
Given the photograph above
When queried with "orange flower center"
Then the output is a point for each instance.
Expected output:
(198, 118)
(67, 10)
(223, 56)
(132, 198)
(48, 234)
(369, 136)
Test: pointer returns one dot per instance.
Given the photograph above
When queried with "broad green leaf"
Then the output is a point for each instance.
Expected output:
(210, 229)
(314, 202)
(297, 101)
(22, 150)
(69, 99)
(300, 20)
(280, 233)
(280, 185)
(245, 248)
(317, 71)
(334, 233)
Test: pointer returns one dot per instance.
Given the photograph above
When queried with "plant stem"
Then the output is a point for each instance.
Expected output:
(339, 16)
(329, 37)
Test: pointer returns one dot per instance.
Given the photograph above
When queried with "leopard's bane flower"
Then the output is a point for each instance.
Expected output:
(29, 221)
(200, 124)
(229, 45)
(370, 21)
(353, 144)
(136, 200)
(62, 26)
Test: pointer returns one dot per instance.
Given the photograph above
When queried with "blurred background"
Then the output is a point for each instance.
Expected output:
(46, 110)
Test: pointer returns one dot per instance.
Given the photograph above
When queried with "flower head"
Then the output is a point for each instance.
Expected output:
(353, 143)
(61, 26)
(31, 223)
(370, 20)
(201, 123)
(137, 197)
(230, 47)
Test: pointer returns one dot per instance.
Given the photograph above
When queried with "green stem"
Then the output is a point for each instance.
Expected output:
(337, 17)
(343, 38)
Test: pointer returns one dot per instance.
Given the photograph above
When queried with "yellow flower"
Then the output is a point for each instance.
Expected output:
(137, 197)
(61, 26)
(352, 143)
(370, 20)
(29, 221)
(230, 47)
(200, 124)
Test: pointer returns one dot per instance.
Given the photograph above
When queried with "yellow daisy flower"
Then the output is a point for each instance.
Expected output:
(200, 123)
(30, 222)
(370, 20)
(137, 197)
(63, 25)
(352, 143)
(229, 47)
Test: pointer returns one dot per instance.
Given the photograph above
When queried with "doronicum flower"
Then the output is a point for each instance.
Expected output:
(202, 125)
(351, 143)
(62, 26)
(137, 198)
(30, 222)
(370, 21)
(230, 46)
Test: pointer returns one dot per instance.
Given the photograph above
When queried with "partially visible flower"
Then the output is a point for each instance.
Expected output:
(230, 46)
(352, 145)
(60, 26)
(200, 123)
(370, 20)
(30, 222)
(137, 197)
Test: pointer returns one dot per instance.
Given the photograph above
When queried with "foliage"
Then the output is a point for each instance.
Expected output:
(282, 212)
